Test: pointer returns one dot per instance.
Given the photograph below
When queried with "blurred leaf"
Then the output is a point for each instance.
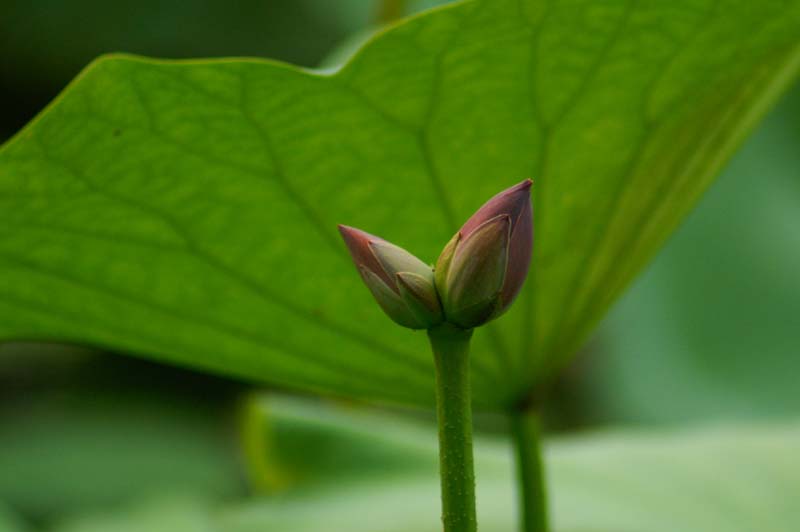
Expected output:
(43, 43)
(186, 211)
(725, 479)
(9, 522)
(165, 514)
(40, 42)
(72, 451)
(290, 445)
(731, 353)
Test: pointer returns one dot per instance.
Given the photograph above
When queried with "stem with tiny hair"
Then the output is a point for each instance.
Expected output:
(450, 346)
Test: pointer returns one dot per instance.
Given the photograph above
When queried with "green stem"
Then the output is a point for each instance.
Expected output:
(454, 413)
(526, 429)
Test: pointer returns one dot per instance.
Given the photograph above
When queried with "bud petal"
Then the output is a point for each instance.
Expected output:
(420, 296)
(358, 243)
(392, 304)
(400, 282)
(395, 259)
(516, 203)
(519, 254)
(476, 274)
(512, 201)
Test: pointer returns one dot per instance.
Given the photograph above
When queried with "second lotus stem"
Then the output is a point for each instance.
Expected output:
(526, 433)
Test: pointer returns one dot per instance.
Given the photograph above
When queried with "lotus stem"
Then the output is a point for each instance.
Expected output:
(454, 414)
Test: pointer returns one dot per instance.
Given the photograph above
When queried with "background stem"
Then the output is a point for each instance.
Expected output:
(526, 430)
(454, 413)
(390, 10)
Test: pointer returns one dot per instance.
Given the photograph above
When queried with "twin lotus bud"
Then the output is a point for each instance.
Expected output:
(476, 278)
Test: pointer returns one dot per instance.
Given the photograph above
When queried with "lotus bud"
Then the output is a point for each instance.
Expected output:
(401, 283)
(481, 270)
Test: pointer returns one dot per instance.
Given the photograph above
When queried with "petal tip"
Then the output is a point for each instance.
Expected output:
(526, 184)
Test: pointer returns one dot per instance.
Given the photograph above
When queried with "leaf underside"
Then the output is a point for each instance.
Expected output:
(186, 211)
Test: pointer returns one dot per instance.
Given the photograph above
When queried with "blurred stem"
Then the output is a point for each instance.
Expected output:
(265, 475)
(526, 430)
(454, 413)
(390, 10)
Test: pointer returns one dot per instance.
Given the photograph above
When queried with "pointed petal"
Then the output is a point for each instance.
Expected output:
(511, 201)
(358, 243)
(519, 256)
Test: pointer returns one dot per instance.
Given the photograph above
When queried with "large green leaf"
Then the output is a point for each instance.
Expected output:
(186, 211)
(715, 480)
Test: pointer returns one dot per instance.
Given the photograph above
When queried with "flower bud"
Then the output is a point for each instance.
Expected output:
(401, 283)
(481, 270)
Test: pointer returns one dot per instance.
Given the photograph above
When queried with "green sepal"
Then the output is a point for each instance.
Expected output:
(391, 302)
(420, 295)
(443, 266)
(478, 313)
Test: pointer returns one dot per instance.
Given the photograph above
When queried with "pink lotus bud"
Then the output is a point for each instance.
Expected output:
(400, 282)
(482, 268)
